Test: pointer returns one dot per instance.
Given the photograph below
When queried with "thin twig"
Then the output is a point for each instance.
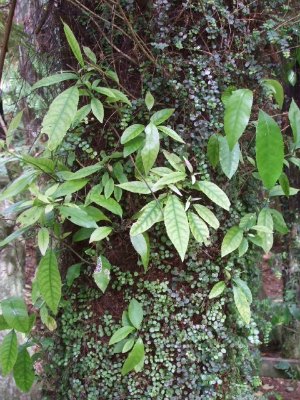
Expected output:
(6, 35)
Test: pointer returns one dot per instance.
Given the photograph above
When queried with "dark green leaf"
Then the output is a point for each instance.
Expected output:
(23, 371)
(213, 150)
(8, 352)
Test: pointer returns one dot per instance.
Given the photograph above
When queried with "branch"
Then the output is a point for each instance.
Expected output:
(6, 35)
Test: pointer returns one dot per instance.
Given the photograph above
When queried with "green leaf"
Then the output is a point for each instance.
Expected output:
(237, 115)
(109, 188)
(142, 246)
(43, 240)
(47, 319)
(170, 132)
(73, 273)
(269, 150)
(3, 324)
(23, 371)
(161, 116)
(109, 204)
(73, 43)
(100, 233)
(294, 117)
(294, 160)
(135, 357)
(43, 164)
(177, 225)
(60, 116)
(135, 313)
(90, 54)
(242, 304)
(277, 191)
(229, 159)
(285, 184)
(8, 352)
(54, 79)
(231, 241)
(150, 214)
(82, 173)
(30, 216)
(49, 280)
(169, 179)
(243, 247)
(213, 150)
(15, 314)
(102, 277)
(247, 221)
(18, 185)
(136, 187)
(97, 109)
(214, 193)
(82, 234)
(198, 228)
(244, 287)
(128, 345)
(119, 96)
(175, 161)
(78, 216)
(81, 114)
(279, 222)
(226, 94)
(151, 148)
(276, 89)
(217, 290)
(149, 100)
(292, 77)
(125, 319)
(121, 334)
(265, 219)
(105, 91)
(14, 124)
(132, 132)
(207, 215)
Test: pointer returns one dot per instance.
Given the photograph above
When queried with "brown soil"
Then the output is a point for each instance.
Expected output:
(286, 388)
(272, 285)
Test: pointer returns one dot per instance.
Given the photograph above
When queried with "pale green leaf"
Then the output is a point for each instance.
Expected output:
(128, 345)
(47, 319)
(18, 185)
(136, 187)
(244, 287)
(161, 116)
(54, 79)
(134, 358)
(30, 216)
(265, 219)
(60, 116)
(232, 240)
(132, 146)
(237, 115)
(294, 117)
(229, 159)
(24, 375)
(279, 222)
(269, 150)
(100, 233)
(149, 100)
(109, 204)
(43, 240)
(150, 150)
(97, 109)
(73, 43)
(121, 334)
(49, 280)
(15, 313)
(73, 273)
(78, 216)
(119, 96)
(81, 114)
(141, 245)
(175, 161)
(102, 273)
(150, 214)
(214, 193)
(277, 191)
(176, 224)
(135, 313)
(8, 352)
(105, 91)
(81, 173)
(169, 179)
(217, 290)
(170, 132)
(90, 54)
(198, 228)
(247, 221)
(294, 160)
(132, 132)
(207, 215)
(276, 89)
(109, 188)
(243, 247)
(242, 304)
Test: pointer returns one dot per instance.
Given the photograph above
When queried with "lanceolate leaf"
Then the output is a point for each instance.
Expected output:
(100, 233)
(294, 117)
(78, 216)
(285, 184)
(214, 193)
(121, 334)
(60, 116)
(135, 313)
(237, 115)
(269, 150)
(43, 240)
(279, 222)
(169, 179)
(82, 173)
(207, 215)
(142, 246)
(151, 148)
(132, 132)
(277, 90)
(15, 314)
(242, 304)
(198, 228)
(18, 185)
(53, 79)
(49, 280)
(161, 116)
(109, 204)
(136, 187)
(23, 370)
(244, 287)
(151, 214)
(243, 247)
(229, 159)
(217, 290)
(14, 124)
(97, 109)
(232, 240)
(177, 225)
(149, 100)
(73, 43)
(8, 352)
(168, 131)
(265, 219)
(134, 358)
(213, 150)
(102, 273)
